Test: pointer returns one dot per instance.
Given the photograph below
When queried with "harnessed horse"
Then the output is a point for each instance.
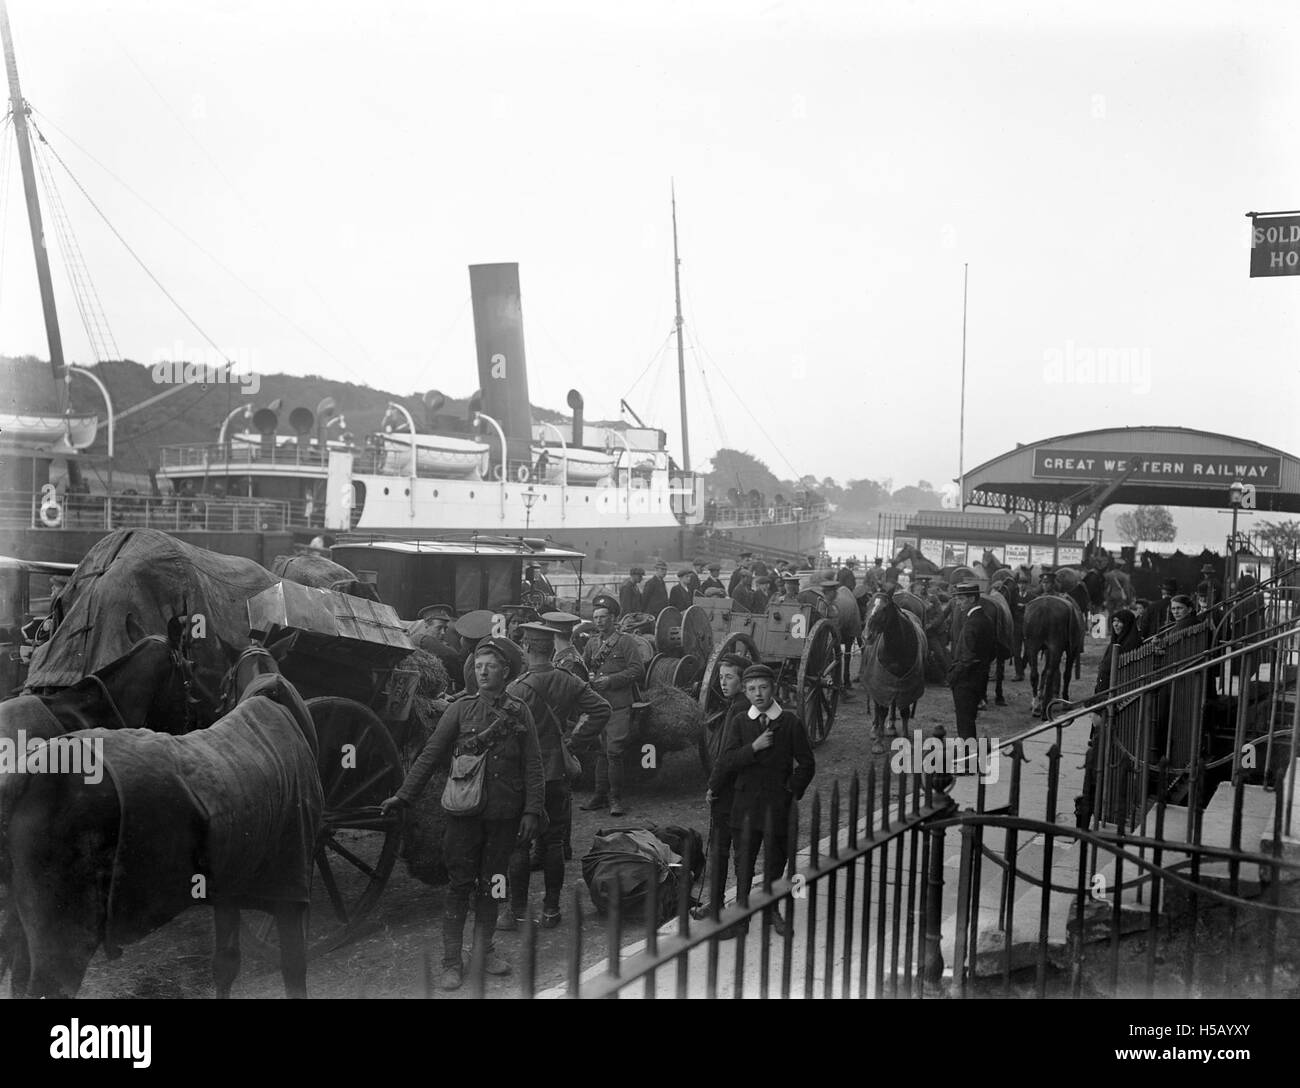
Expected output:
(893, 665)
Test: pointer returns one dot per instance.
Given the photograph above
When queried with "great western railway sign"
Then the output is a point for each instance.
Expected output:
(1167, 468)
(1274, 245)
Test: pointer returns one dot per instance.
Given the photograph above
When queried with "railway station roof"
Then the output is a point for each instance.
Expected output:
(1167, 466)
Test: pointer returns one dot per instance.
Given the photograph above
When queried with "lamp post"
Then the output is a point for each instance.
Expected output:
(1234, 498)
(531, 495)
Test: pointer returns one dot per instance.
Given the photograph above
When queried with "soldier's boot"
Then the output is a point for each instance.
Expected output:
(616, 787)
(453, 935)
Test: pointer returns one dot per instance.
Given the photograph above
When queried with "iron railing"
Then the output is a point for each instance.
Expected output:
(171, 512)
(728, 517)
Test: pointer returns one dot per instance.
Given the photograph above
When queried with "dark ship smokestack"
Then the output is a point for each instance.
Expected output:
(503, 375)
(575, 402)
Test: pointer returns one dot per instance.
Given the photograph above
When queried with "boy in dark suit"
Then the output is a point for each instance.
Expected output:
(767, 762)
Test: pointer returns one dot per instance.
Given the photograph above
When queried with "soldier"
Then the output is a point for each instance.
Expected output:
(681, 596)
(654, 593)
(629, 593)
(847, 575)
(472, 627)
(613, 659)
(477, 848)
(431, 636)
(713, 581)
(789, 593)
(968, 676)
(767, 761)
(875, 576)
(555, 698)
(566, 655)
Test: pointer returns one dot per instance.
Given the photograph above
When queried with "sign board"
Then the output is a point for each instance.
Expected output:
(932, 550)
(1039, 555)
(1070, 555)
(1186, 469)
(1275, 246)
(1016, 555)
(954, 553)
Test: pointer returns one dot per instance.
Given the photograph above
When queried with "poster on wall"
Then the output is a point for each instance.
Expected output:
(975, 553)
(1039, 555)
(1016, 554)
(954, 553)
(902, 541)
(1071, 555)
(932, 550)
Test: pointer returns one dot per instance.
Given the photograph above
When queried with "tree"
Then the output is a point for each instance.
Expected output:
(1152, 523)
(1283, 536)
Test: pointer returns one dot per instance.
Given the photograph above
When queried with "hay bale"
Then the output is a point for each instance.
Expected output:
(673, 721)
(426, 824)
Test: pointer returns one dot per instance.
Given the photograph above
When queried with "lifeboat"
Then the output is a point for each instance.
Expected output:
(436, 455)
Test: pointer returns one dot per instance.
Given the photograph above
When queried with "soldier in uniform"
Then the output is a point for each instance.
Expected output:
(681, 596)
(968, 676)
(713, 581)
(613, 660)
(471, 628)
(875, 576)
(566, 655)
(848, 576)
(767, 762)
(654, 591)
(477, 848)
(789, 592)
(555, 698)
(629, 593)
(431, 637)
(743, 597)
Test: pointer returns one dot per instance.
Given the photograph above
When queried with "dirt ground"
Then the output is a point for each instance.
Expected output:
(389, 959)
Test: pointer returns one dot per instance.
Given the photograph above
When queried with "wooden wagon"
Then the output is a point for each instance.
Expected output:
(796, 640)
(344, 663)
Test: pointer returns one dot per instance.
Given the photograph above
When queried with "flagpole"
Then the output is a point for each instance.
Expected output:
(961, 439)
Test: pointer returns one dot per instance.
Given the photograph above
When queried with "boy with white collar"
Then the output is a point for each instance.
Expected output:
(768, 762)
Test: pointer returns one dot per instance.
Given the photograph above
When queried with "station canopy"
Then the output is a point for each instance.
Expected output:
(1079, 475)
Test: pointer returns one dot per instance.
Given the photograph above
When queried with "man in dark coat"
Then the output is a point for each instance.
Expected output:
(968, 676)
(477, 848)
(654, 591)
(743, 597)
(681, 596)
(555, 698)
(847, 575)
(768, 762)
(875, 576)
(629, 593)
(697, 578)
(745, 566)
(1158, 614)
(614, 663)
(430, 634)
(713, 581)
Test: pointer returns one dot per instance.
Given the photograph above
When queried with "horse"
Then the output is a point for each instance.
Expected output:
(1054, 628)
(1117, 592)
(920, 564)
(1004, 630)
(893, 665)
(992, 564)
(230, 813)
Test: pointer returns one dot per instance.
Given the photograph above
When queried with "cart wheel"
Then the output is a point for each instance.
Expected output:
(357, 847)
(712, 701)
(820, 669)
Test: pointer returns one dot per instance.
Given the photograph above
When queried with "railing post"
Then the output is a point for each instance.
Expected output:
(932, 964)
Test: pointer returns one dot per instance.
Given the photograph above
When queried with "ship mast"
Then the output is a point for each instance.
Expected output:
(19, 109)
(681, 354)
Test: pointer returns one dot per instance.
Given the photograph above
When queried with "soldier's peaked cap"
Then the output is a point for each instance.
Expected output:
(538, 632)
(971, 589)
(604, 600)
(437, 612)
(476, 624)
(507, 651)
(564, 621)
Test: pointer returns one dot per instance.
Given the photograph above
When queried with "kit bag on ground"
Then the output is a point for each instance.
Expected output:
(629, 856)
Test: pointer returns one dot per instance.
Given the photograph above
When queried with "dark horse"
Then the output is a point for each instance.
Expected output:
(920, 564)
(236, 806)
(893, 664)
(1053, 628)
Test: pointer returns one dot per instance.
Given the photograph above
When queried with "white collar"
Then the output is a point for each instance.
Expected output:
(771, 713)
(974, 609)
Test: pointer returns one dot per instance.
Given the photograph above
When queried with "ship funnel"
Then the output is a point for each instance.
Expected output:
(265, 421)
(575, 402)
(499, 337)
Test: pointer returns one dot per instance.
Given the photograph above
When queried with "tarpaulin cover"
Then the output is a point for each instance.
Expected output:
(155, 577)
(239, 803)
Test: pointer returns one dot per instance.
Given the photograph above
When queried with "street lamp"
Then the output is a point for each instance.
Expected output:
(1234, 498)
(530, 497)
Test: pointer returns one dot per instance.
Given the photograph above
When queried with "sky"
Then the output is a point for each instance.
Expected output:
(310, 181)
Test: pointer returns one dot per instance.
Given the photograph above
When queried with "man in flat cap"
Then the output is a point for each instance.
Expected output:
(743, 596)
(555, 698)
(476, 849)
(697, 577)
(713, 581)
(629, 593)
(767, 761)
(681, 596)
(654, 591)
(745, 566)
(613, 660)
(976, 647)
